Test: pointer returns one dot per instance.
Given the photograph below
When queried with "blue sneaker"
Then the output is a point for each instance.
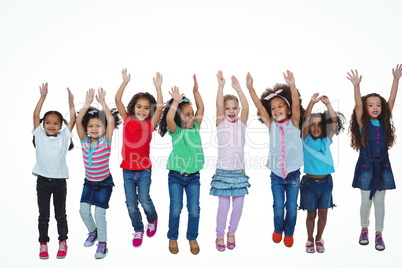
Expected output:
(101, 250)
(92, 236)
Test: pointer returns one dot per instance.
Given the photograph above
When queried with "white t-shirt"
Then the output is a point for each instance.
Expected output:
(51, 153)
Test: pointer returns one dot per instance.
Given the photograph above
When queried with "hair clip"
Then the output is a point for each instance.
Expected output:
(184, 100)
(65, 121)
(276, 94)
(93, 112)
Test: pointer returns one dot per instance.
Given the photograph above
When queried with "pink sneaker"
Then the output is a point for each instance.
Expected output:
(137, 240)
(151, 228)
(43, 254)
(61, 254)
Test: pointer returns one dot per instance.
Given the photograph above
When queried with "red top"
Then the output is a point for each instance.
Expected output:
(137, 136)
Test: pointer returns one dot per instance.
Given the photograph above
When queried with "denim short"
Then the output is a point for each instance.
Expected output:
(98, 193)
(316, 193)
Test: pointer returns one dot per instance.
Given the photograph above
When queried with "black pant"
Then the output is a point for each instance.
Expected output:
(45, 187)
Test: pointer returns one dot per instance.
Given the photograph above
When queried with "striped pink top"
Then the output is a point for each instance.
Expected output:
(96, 159)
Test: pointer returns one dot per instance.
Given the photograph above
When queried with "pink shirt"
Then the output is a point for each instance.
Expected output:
(231, 140)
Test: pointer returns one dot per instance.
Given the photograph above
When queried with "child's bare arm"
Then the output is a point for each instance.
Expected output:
(199, 114)
(159, 100)
(290, 80)
(219, 98)
(177, 97)
(307, 114)
(100, 97)
(88, 100)
(119, 94)
(36, 114)
(334, 118)
(356, 79)
(73, 115)
(243, 100)
(397, 73)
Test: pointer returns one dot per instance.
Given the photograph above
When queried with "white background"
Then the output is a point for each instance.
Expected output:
(86, 44)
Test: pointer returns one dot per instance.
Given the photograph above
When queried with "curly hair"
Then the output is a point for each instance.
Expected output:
(142, 95)
(326, 122)
(360, 139)
(93, 112)
(58, 114)
(163, 123)
(286, 93)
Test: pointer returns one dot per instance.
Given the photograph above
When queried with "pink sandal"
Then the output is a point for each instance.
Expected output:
(320, 249)
(310, 247)
(229, 244)
(220, 248)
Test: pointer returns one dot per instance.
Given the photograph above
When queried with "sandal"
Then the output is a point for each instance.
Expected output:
(320, 249)
(363, 239)
(379, 243)
(310, 247)
(230, 245)
(219, 247)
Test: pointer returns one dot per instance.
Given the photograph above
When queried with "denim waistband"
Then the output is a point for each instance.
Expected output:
(184, 173)
(322, 180)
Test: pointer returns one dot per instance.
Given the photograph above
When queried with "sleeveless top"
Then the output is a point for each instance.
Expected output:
(373, 170)
(96, 159)
(285, 149)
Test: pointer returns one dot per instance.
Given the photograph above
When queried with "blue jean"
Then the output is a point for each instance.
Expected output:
(179, 181)
(288, 188)
(136, 186)
(316, 193)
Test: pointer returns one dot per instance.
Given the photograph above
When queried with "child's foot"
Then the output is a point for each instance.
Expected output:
(220, 244)
(101, 251)
(92, 236)
(320, 246)
(194, 248)
(43, 254)
(288, 240)
(151, 228)
(231, 243)
(173, 247)
(310, 247)
(62, 252)
(379, 243)
(363, 239)
(276, 237)
(137, 240)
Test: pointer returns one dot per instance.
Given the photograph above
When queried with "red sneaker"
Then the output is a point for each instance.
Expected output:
(288, 241)
(62, 252)
(137, 240)
(151, 228)
(276, 237)
(43, 254)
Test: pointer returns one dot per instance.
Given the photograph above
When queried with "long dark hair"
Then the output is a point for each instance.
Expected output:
(163, 123)
(360, 139)
(142, 95)
(326, 122)
(62, 120)
(286, 94)
(93, 112)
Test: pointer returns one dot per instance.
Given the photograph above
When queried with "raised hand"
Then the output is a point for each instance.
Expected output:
(195, 88)
(354, 77)
(221, 79)
(289, 78)
(315, 98)
(158, 80)
(325, 100)
(70, 95)
(43, 90)
(249, 81)
(100, 97)
(397, 72)
(235, 83)
(177, 97)
(126, 78)
(90, 96)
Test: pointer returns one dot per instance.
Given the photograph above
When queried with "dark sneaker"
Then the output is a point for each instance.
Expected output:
(101, 251)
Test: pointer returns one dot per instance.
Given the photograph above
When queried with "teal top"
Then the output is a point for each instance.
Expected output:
(187, 155)
(317, 156)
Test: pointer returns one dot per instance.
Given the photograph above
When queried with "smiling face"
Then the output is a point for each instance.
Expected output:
(279, 110)
(52, 125)
(231, 110)
(187, 115)
(315, 127)
(373, 105)
(95, 128)
(142, 109)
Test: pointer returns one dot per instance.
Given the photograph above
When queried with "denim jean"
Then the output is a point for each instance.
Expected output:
(136, 186)
(316, 193)
(285, 193)
(179, 181)
(45, 187)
